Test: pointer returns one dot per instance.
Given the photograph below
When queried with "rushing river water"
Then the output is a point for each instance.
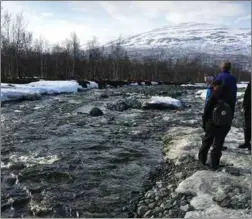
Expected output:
(57, 161)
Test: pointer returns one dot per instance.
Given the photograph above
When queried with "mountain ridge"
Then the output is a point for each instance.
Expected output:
(192, 38)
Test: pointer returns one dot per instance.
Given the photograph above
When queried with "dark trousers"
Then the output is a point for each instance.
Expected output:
(215, 137)
(247, 126)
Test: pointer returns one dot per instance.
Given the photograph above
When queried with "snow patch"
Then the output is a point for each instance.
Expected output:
(166, 101)
(154, 83)
(243, 85)
(134, 84)
(36, 89)
(92, 85)
(207, 185)
(201, 94)
(186, 141)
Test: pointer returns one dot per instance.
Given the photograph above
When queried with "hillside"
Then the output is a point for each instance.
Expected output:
(192, 39)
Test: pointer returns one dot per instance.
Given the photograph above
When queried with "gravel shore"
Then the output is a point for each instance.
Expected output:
(183, 188)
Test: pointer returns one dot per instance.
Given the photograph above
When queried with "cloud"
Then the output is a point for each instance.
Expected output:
(47, 14)
(175, 12)
(42, 25)
(108, 20)
(244, 18)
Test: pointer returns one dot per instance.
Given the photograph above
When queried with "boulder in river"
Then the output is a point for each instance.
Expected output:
(95, 112)
(161, 103)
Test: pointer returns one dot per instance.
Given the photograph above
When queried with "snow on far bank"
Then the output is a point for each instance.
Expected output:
(134, 84)
(154, 83)
(92, 85)
(165, 101)
(202, 94)
(36, 89)
(243, 85)
(207, 184)
(194, 85)
(240, 85)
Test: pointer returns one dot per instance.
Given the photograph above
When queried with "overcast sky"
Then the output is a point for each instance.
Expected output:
(107, 20)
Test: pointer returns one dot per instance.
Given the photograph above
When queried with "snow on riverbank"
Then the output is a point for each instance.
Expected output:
(232, 183)
(240, 85)
(36, 89)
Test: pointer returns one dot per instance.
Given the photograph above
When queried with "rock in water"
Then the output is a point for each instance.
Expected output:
(104, 96)
(95, 112)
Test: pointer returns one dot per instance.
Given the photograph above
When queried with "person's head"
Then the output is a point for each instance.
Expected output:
(216, 84)
(226, 66)
(208, 78)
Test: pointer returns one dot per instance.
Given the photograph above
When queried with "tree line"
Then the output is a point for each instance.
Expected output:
(24, 57)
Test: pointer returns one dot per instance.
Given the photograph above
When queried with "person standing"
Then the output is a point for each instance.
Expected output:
(217, 119)
(228, 80)
(247, 117)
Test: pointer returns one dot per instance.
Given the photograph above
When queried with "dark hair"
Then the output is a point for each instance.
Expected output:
(216, 83)
(226, 66)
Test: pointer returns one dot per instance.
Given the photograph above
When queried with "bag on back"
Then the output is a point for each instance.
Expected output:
(222, 114)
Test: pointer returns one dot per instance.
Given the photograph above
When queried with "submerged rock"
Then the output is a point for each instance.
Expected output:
(95, 112)
(104, 96)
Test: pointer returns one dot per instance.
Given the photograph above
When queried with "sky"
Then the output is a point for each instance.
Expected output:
(107, 20)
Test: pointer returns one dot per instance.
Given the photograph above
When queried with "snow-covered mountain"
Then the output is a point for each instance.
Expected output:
(189, 39)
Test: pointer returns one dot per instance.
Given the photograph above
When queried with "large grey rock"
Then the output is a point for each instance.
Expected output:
(95, 112)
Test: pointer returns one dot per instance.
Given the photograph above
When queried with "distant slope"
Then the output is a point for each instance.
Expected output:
(191, 39)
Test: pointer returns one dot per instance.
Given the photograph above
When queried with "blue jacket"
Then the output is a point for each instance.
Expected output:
(208, 93)
(230, 81)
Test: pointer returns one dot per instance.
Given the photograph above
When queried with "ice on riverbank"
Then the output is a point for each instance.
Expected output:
(36, 89)
(232, 181)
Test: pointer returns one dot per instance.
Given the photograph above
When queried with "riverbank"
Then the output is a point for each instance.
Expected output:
(184, 188)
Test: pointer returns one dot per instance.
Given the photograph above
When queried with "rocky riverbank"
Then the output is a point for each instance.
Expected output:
(184, 188)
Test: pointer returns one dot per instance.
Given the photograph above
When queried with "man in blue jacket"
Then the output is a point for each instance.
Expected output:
(228, 80)
(230, 83)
